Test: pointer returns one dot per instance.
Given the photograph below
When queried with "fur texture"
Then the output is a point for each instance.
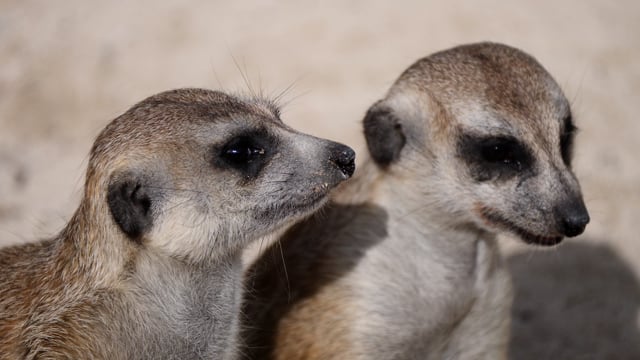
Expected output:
(468, 142)
(149, 266)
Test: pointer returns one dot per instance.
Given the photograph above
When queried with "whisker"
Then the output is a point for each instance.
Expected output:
(276, 181)
(176, 205)
(285, 91)
(199, 192)
(286, 273)
(244, 76)
(216, 76)
(296, 97)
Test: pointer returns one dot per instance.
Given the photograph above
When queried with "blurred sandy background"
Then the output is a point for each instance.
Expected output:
(68, 67)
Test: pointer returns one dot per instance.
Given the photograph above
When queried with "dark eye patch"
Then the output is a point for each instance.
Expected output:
(494, 157)
(241, 151)
(566, 139)
(246, 153)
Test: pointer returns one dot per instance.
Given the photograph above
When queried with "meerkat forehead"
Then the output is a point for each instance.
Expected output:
(492, 88)
(223, 102)
(181, 114)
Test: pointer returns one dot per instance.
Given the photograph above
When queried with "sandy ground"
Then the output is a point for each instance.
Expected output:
(68, 67)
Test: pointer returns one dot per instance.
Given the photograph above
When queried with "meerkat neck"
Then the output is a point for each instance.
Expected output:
(90, 251)
(410, 204)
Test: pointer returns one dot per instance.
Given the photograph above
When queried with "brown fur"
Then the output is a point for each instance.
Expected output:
(171, 288)
(424, 279)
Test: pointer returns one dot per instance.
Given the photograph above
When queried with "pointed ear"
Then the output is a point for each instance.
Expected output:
(130, 204)
(384, 134)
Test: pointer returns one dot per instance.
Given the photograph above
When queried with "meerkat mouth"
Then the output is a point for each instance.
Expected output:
(307, 205)
(310, 203)
(492, 218)
(319, 194)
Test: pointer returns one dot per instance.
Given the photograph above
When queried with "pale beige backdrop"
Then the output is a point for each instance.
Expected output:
(68, 67)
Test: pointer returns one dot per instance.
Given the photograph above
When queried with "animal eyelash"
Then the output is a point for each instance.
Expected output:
(566, 140)
(569, 127)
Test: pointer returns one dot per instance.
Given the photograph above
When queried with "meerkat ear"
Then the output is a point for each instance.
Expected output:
(384, 134)
(130, 205)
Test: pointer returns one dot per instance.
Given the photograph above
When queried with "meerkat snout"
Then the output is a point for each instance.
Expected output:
(572, 217)
(344, 158)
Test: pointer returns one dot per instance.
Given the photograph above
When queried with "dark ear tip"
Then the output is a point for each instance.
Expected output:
(129, 204)
(384, 134)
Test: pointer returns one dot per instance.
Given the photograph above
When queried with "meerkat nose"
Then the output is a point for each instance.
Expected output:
(573, 218)
(344, 158)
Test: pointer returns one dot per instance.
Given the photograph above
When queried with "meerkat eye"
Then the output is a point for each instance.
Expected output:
(502, 151)
(247, 153)
(494, 157)
(241, 150)
(566, 139)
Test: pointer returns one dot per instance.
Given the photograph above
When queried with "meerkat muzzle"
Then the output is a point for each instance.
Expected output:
(572, 218)
(344, 158)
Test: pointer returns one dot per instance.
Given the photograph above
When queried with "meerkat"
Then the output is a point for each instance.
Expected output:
(468, 143)
(149, 266)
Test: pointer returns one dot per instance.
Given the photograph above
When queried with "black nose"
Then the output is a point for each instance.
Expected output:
(344, 158)
(572, 218)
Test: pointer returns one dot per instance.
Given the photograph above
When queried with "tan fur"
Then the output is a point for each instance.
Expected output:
(404, 263)
(326, 339)
(102, 290)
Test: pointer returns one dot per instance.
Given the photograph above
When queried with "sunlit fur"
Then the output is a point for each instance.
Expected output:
(416, 271)
(171, 287)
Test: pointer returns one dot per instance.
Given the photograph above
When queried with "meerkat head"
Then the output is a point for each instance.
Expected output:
(487, 135)
(196, 173)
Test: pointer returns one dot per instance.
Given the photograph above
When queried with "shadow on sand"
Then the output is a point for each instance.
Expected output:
(579, 302)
